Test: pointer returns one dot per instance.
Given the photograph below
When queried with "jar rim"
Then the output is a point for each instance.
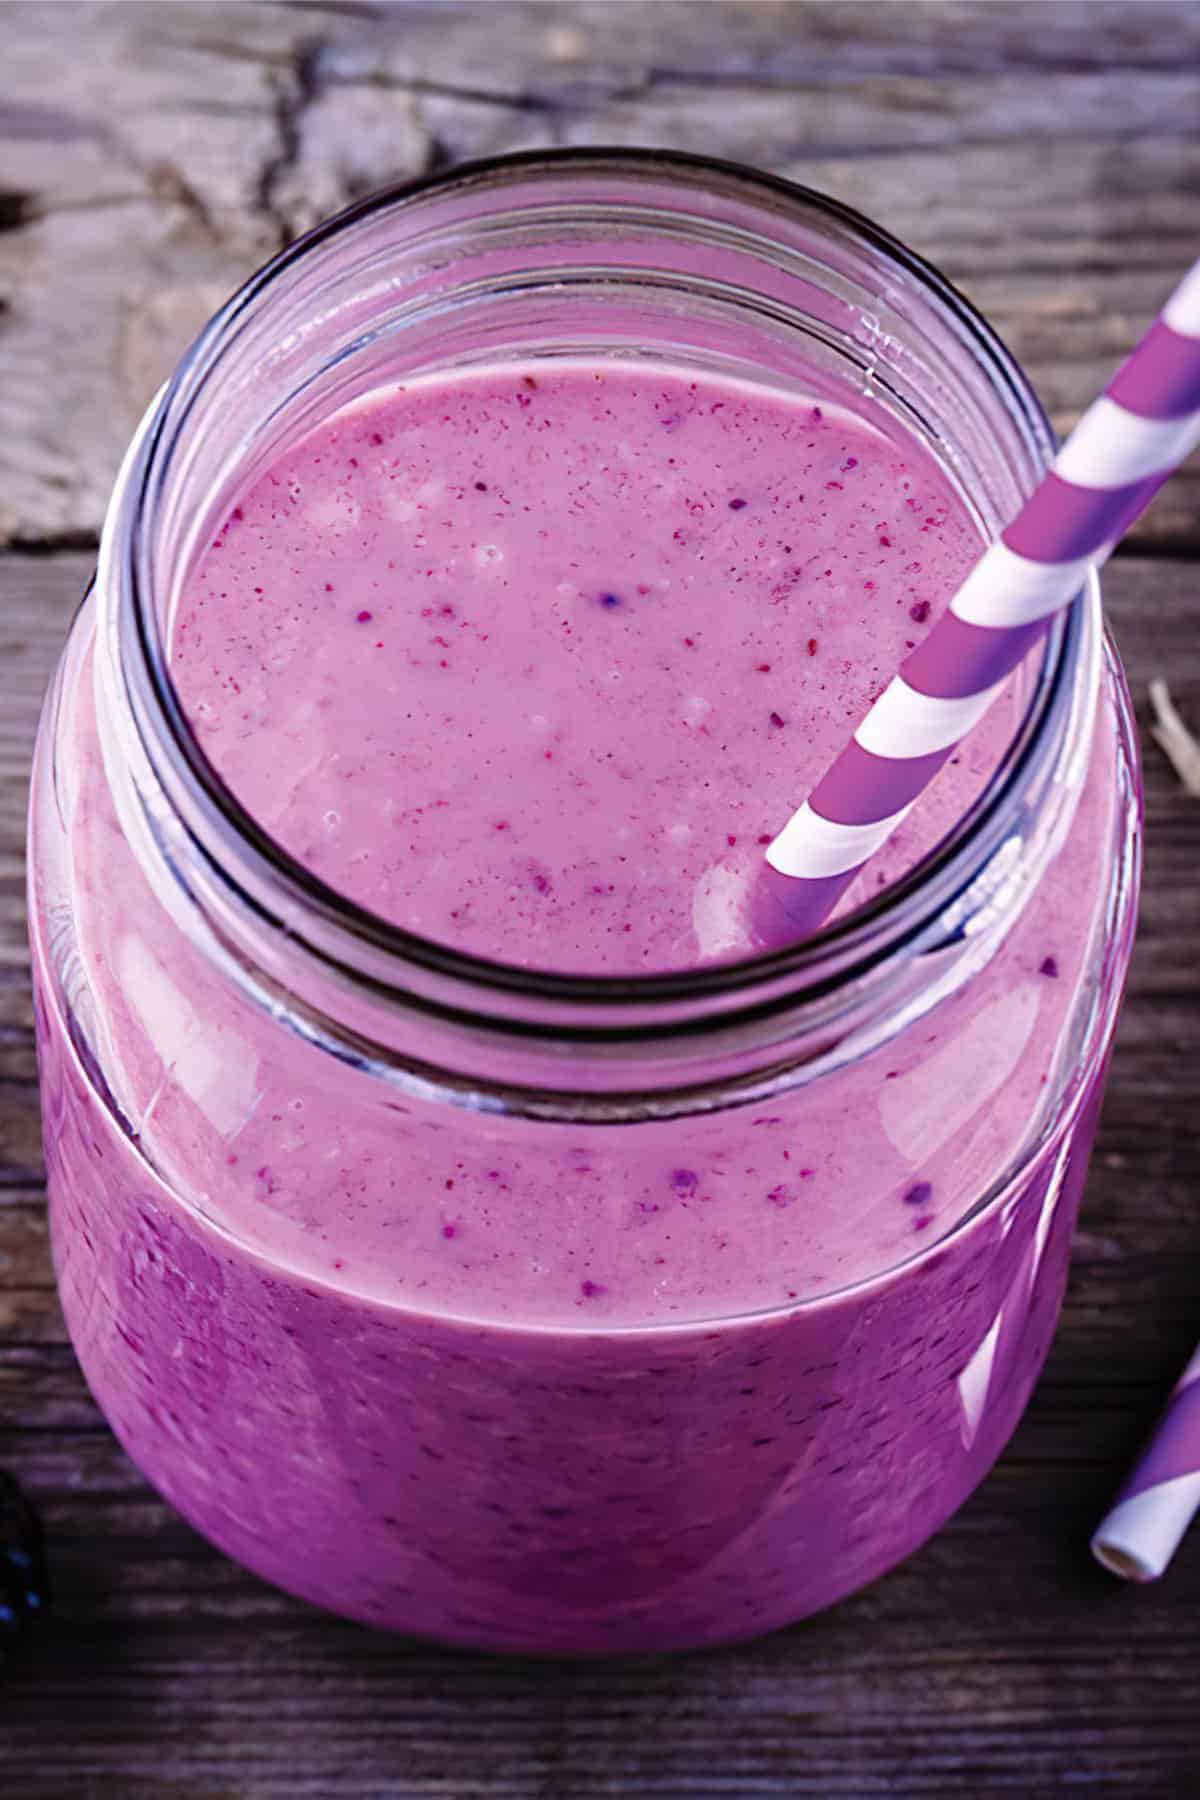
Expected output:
(795, 973)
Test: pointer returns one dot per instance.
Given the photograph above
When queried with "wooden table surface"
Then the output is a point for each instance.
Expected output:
(1047, 156)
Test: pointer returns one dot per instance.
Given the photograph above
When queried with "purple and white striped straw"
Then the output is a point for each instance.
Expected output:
(1118, 455)
(1145, 1524)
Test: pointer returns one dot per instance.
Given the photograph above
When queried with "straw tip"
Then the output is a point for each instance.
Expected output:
(783, 909)
(1123, 1561)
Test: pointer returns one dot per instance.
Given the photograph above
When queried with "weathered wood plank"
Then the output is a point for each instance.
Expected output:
(955, 1715)
(1046, 156)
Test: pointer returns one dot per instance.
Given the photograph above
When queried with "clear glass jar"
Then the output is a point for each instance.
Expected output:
(542, 1482)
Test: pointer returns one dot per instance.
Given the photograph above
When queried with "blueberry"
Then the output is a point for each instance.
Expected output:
(24, 1590)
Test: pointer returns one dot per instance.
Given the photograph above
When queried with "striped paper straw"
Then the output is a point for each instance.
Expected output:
(1119, 454)
(1145, 1525)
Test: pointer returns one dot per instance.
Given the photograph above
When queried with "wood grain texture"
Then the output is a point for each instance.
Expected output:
(1048, 156)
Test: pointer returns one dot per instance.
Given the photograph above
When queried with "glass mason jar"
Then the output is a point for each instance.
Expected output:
(216, 1025)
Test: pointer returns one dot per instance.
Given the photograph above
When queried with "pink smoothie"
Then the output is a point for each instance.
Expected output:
(532, 662)
(546, 659)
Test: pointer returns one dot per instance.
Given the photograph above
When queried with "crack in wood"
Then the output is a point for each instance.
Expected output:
(44, 207)
(894, 62)
(344, 9)
(17, 207)
(168, 182)
(1180, 547)
(294, 95)
(57, 543)
(226, 48)
(416, 85)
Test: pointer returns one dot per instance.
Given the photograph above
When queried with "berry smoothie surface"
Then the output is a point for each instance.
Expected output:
(533, 661)
(535, 664)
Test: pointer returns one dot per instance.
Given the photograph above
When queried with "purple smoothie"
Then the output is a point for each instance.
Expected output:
(532, 662)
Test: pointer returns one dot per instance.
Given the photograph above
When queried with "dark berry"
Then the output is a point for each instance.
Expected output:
(777, 721)
(919, 1194)
(610, 599)
(24, 1590)
(736, 505)
(919, 612)
(1049, 967)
